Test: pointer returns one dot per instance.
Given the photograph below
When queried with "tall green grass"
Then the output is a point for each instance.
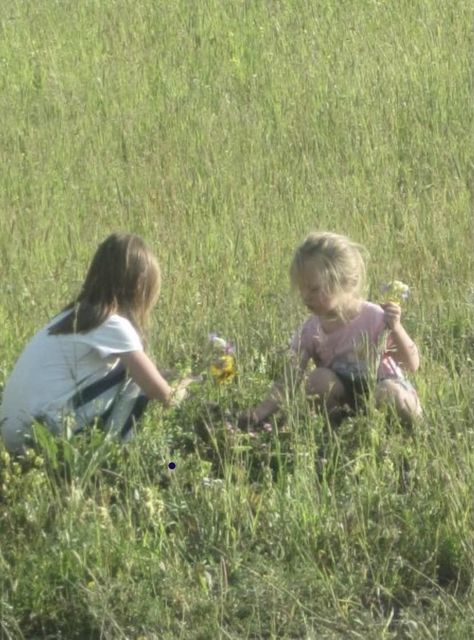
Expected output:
(223, 132)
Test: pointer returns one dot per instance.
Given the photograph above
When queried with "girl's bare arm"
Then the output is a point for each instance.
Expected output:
(294, 372)
(143, 371)
(405, 352)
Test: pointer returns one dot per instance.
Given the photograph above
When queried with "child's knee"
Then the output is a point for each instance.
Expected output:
(405, 403)
(385, 392)
(323, 382)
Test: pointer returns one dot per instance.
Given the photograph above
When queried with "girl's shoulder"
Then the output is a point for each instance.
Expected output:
(113, 322)
(116, 324)
(371, 310)
(115, 335)
(311, 326)
(370, 317)
(307, 335)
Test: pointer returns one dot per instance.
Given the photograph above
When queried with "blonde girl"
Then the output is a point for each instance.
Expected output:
(348, 338)
(88, 363)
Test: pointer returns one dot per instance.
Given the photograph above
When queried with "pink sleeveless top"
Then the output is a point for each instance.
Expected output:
(356, 348)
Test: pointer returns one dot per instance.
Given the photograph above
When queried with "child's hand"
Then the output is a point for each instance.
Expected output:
(181, 391)
(392, 315)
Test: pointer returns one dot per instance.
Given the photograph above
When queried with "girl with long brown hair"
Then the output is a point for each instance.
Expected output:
(88, 364)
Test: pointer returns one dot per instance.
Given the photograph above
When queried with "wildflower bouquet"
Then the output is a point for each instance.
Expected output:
(223, 366)
(396, 291)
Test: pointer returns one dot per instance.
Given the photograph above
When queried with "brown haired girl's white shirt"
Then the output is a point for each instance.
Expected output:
(52, 368)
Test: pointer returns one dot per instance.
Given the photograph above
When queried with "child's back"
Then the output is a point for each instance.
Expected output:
(88, 363)
(53, 368)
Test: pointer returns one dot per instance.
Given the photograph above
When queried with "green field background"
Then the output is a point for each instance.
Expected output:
(223, 132)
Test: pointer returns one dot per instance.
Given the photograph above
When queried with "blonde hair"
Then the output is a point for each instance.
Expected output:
(124, 277)
(339, 264)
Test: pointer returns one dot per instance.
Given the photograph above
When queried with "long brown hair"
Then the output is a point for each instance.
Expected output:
(124, 277)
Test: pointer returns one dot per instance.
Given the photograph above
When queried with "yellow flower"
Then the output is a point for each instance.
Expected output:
(396, 292)
(223, 369)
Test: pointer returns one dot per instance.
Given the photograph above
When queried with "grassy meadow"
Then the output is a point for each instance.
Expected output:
(223, 131)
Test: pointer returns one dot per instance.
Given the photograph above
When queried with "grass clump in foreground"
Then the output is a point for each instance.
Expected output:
(305, 532)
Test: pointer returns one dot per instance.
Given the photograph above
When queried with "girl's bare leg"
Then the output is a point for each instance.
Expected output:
(325, 389)
(404, 401)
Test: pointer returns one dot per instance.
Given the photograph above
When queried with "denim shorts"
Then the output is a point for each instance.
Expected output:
(355, 387)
